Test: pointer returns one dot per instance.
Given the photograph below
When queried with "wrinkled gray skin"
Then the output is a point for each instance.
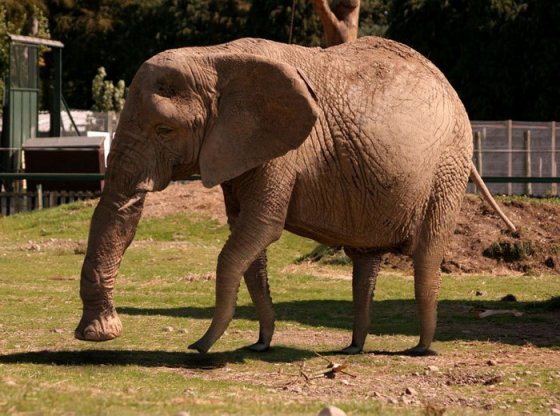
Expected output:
(364, 145)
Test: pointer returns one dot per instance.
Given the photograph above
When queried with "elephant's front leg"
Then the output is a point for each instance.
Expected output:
(364, 276)
(256, 279)
(112, 229)
(263, 195)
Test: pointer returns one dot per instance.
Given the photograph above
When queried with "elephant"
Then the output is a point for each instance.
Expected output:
(363, 145)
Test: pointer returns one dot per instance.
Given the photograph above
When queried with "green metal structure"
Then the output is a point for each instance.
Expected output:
(21, 102)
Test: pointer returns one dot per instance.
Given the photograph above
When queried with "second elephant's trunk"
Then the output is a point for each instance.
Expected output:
(112, 229)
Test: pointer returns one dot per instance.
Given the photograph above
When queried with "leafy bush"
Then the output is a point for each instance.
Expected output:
(106, 96)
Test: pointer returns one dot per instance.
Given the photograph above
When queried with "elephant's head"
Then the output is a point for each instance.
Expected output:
(218, 115)
(187, 112)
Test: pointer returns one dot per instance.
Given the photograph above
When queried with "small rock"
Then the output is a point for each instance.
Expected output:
(345, 382)
(480, 293)
(433, 368)
(392, 400)
(509, 298)
(407, 400)
(183, 331)
(492, 363)
(57, 331)
(331, 411)
(549, 262)
(536, 384)
(528, 373)
(182, 414)
(168, 329)
(410, 391)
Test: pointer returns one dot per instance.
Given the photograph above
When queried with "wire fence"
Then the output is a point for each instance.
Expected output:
(514, 158)
(14, 202)
(514, 151)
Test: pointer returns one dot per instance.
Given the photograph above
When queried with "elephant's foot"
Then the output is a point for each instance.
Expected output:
(99, 326)
(353, 349)
(419, 351)
(259, 347)
(202, 345)
(262, 345)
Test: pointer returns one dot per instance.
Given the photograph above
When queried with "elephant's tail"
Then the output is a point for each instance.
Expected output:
(488, 196)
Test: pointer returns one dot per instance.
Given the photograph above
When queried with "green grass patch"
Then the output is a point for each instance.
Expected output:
(165, 297)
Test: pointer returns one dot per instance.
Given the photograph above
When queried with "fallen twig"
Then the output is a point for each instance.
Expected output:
(485, 313)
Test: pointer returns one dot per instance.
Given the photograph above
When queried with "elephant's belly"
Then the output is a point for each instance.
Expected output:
(354, 220)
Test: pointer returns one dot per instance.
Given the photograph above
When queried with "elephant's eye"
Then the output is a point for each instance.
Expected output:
(163, 131)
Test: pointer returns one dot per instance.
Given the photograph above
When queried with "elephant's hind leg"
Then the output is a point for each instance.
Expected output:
(436, 231)
(256, 279)
(364, 276)
(426, 288)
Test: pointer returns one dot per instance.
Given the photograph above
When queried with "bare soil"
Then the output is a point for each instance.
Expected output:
(481, 243)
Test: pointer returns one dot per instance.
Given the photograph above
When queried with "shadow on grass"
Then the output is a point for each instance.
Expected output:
(540, 324)
(178, 359)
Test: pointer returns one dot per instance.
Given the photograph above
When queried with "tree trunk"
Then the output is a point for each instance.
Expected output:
(339, 23)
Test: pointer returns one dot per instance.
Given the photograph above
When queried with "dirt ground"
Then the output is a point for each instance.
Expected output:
(482, 377)
(481, 243)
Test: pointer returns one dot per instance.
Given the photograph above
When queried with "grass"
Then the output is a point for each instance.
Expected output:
(165, 297)
(529, 200)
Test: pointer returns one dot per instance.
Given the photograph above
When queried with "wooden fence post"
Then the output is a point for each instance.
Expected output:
(39, 202)
(510, 155)
(478, 151)
(553, 167)
(527, 145)
(52, 199)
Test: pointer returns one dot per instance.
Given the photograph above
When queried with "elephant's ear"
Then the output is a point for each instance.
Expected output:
(265, 109)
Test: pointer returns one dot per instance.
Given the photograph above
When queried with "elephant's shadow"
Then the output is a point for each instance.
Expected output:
(154, 358)
(457, 319)
(539, 326)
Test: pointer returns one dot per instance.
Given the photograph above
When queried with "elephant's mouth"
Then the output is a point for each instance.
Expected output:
(182, 172)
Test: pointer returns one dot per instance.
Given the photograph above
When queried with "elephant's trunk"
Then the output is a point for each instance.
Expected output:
(112, 229)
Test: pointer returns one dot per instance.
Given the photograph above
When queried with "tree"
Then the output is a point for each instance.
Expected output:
(20, 17)
(271, 19)
(501, 55)
(107, 96)
(121, 35)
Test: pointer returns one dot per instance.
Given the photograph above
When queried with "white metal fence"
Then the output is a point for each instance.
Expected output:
(517, 149)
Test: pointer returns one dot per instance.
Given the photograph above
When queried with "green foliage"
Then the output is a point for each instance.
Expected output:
(18, 17)
(324, 254)
(500, 55)
(271, 19)
(509, 251)
(107, 96)
(121, 35)
(374, 17)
